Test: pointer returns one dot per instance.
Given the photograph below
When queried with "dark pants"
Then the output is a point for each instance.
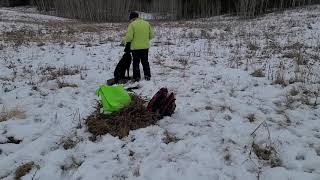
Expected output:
(140, 55)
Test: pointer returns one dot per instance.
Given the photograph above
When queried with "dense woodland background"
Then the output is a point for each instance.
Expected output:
(117, 10)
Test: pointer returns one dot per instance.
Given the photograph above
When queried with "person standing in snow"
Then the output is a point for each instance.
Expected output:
(137, 42)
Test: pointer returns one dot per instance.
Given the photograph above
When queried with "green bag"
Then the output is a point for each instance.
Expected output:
(113, 98)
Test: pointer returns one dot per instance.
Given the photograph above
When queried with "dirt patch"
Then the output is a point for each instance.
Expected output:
(132, 117)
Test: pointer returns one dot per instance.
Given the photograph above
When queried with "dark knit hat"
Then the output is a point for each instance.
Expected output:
(133, 15)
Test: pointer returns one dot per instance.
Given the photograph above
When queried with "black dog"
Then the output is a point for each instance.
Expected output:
(122, 67)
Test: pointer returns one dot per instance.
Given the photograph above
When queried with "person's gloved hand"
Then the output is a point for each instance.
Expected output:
(127, 48)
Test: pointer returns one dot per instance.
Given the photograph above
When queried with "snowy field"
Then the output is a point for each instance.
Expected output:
(247, 99)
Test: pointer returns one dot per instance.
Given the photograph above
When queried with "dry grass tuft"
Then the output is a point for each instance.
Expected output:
(267, 153)
(252, 118)
(65, 71)
(227, 156)
(73, 164)
(23, 170)
(16, 112)
(253, 46)
(280, 81)
(159, 60)
(258, 73)
(279, 76)
(68, 143)
(6, 78)
(294, 91)
(183, 61)
(51, 73)
(169, 138)
(290, 54)
(297, 56)
(225, 107)
(119, 123)
(63, 84)
(208, 108)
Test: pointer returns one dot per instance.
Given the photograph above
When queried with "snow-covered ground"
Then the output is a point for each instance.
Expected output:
(50, 68)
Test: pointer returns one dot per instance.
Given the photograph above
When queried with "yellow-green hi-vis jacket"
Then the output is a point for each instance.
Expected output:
(139, 34)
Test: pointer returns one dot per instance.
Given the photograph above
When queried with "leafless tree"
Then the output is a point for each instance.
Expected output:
(117, 10)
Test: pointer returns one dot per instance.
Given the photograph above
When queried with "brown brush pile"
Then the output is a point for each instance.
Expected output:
(119, 123)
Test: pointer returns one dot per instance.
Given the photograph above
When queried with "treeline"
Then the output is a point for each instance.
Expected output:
(14, 2)
(117, 10)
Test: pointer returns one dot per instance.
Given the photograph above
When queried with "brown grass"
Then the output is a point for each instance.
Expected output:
(279, 76)
(208, 108)
(253, 46)
(294, 91)
(25, 37)
(68, 143)
(267, 153)
(52, 73)
(297, 56)
(119, 123)
(6, 78)
(258, 73)
(67, 71)
(63, 84)
(252, 118)
(225, 107)
(227, 156)
(16, 112)
(183, 61)
(73, 165)
(23, 170)
(159, 60)
(290, 54)
(280, 81)
(55, 32)
(169, 138)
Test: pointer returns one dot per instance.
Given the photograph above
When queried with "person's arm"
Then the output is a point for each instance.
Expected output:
(129, 35)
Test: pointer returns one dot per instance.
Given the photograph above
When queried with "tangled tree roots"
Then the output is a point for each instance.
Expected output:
(119, 123)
